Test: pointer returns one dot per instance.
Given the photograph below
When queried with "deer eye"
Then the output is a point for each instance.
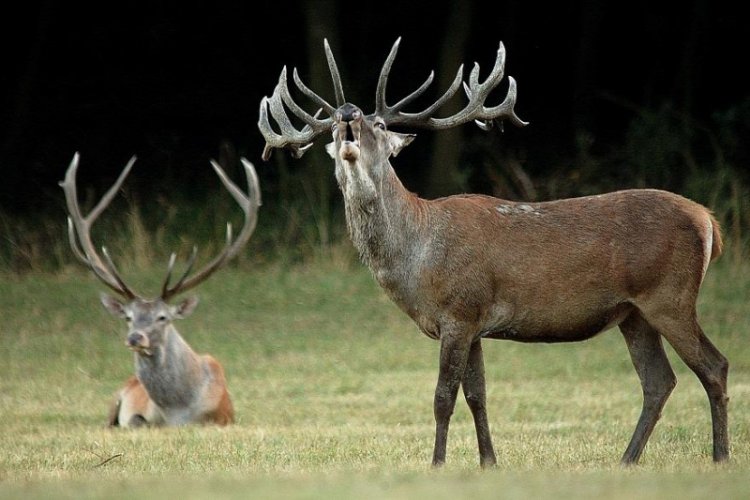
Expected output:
(161, 318)
(129, 318)
(380, 125)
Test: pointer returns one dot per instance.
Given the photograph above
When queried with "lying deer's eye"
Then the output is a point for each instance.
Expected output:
(161, 318)
(128, 318)
(380, 125)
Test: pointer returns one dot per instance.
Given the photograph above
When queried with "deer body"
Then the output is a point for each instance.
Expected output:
(470, 267)
(180, 386)
(503, 285)
(173, 385)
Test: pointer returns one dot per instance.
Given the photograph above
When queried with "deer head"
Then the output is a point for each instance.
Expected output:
(150, 319)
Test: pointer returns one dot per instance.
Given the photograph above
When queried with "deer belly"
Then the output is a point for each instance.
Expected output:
(572, 327)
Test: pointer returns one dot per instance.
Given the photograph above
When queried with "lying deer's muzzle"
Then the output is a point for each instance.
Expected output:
(137, 341)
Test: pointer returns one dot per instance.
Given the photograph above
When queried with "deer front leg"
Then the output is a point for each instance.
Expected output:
(475, 394)
(454, 354)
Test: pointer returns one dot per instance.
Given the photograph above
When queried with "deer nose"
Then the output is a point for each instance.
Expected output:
(135, 339)
(348, 113)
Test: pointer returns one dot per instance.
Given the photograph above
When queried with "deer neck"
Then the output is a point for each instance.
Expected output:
(385, 223)
(171, 373)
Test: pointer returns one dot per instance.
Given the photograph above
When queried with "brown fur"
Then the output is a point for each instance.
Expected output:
(223, 413)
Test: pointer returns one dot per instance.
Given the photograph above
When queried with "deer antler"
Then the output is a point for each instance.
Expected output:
(298, 141)
(249, 205)
(79, 229)
(476, 91)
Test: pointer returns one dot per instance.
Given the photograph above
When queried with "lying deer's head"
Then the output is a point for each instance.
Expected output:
(366, 141)
(150, 320)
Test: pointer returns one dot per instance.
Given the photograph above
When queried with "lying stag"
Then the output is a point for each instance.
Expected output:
(173, 385)
(469, 267)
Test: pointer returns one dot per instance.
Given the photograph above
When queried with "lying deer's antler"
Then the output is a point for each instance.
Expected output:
(79, 231)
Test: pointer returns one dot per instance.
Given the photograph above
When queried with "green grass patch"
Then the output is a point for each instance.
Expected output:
(333, 390)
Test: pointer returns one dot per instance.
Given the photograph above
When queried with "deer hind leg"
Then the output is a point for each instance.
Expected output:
(475, 394)
(454, 355)
(691, 344)
(656, 375)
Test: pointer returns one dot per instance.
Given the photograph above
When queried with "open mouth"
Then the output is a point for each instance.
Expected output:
(349, 132)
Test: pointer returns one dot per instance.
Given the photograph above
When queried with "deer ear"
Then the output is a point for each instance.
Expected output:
(185, 308)
(111, 304)
(331, 148)
(397, 141)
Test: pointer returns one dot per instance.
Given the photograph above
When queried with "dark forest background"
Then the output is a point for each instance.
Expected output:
(618, 94)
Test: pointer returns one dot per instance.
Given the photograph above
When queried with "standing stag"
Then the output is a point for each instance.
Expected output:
(469, 267)
(173, 385)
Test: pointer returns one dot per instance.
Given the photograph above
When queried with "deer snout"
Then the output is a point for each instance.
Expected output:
(349, 123)
(137, 340)
(348, 113)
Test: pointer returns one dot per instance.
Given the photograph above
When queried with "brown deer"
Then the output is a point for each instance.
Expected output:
(172, 385)
(470, 267)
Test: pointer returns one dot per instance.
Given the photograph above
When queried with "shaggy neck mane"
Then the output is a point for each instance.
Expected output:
(383, 224)
(171, 373)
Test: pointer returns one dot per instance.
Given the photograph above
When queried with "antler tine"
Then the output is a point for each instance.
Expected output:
(409, 98)
(249, 204)
(165, 289)
(104, 274)
(478, 92)
(427, 113)
(296, 140)
(322, 103)
(168, 277)
(381, 106)
(79, 228)
(115, 274)
(475, 110)
(393, 112)
(337, 86)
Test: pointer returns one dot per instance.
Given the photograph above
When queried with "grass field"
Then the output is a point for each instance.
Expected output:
(333, 390)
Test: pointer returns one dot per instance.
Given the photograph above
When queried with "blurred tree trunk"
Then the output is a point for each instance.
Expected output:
(318, 180)
(443, 174)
